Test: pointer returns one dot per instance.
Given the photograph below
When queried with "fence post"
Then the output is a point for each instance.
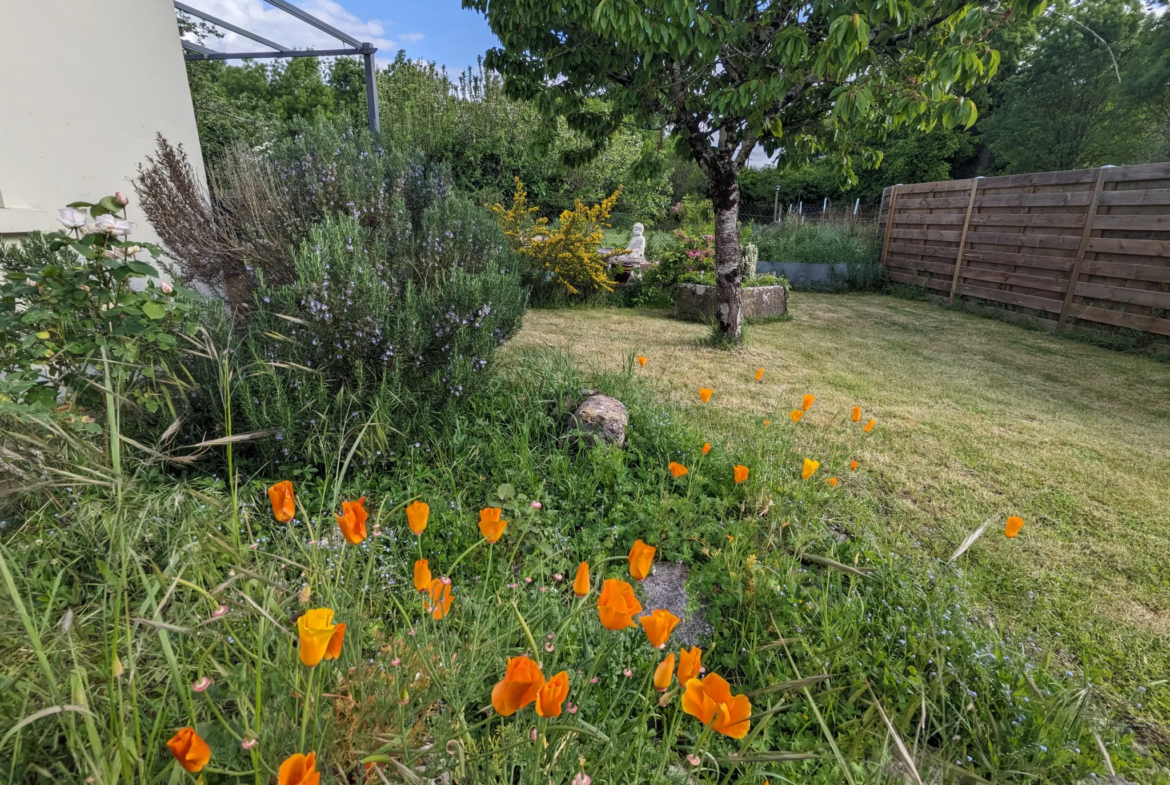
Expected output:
(889, 224)
(1086, 234)
(963, 241)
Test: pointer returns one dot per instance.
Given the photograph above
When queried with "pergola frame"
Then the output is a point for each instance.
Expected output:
(364, 49)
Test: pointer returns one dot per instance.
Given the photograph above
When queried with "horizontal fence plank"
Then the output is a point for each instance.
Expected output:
(926, 234)
(1133, 223)
(1129, 246)
(1019, 259)
(942, 268)
(915, 280)
(1137, 197)
(1014, 279)
(1020, 219)
(1062, 199)
(1012, 298)
(1061, 242)
(1125, 295)
(1133, 321)
(1072, 177)
(941, 251)
(1121, 174)
(1133, 272)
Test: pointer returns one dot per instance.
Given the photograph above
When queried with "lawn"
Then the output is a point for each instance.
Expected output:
(975, 418)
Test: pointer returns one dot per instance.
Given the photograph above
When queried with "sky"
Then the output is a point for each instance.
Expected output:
(436, 30)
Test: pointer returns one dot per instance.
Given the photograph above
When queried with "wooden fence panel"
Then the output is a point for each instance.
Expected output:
(1067, 248)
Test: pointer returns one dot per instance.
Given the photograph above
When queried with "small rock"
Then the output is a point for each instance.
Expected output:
(665, 588)
(603, 417)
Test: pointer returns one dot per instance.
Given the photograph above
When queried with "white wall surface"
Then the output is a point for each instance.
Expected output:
(84, 87)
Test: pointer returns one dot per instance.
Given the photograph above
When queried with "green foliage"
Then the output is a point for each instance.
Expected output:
(67, 300)
(826, 242)
(1067, 107)
(145, 603)
(377, 332)
(684, 254)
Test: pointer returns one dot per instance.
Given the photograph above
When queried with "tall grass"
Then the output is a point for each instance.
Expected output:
(848, 654)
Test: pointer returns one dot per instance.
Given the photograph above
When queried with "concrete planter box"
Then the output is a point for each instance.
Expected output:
(803, 275)
(697, 302)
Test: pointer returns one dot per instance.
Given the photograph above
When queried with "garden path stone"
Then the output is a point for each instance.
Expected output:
(666, 588)
(603, 417)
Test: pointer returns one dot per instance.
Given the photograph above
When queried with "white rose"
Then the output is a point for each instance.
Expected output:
(71, 217)
(111, 224)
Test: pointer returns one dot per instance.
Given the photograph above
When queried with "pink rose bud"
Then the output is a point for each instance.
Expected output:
(121, 199)
(167, 288)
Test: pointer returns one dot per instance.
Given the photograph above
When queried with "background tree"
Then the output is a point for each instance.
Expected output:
(1066, 107)
(723, 76)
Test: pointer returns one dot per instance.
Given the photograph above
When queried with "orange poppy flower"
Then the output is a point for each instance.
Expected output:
(689, 663)
(767, 423)
(439, 598)
(658, 625)
(550, 697)
(581, 582)
(353, 521)
(760, 375)
(519, 687)
(705, 394)
(617, 606)
(711, 701)
(284, 505)
(190, 750)
(741, 474)
(853, 466)
(417, 513)
(832, 481)
(641, 358)
(856, 414)
(299, 769)
(490, 524)
(869, 426)
(796, 414)
(809, 469)
(641, 559)
(422, 575)
(663, 673)
(315, 629)
(706, 447)
(333, 650)
(807, 401)
(1014, 524)
(677, 469)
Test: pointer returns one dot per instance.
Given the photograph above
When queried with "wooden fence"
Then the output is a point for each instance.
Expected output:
(1066, 248)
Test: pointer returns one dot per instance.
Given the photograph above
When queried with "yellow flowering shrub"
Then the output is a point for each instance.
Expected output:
(568, 252)
(517, 222)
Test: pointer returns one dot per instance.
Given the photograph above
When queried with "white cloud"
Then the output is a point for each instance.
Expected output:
(285, 29)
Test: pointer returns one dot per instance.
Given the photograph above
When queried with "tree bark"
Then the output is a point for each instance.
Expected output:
(725, 200)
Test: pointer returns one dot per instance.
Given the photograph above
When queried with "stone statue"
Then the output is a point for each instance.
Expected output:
(635, 254)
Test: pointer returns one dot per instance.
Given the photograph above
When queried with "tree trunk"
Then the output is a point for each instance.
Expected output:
(729, 312)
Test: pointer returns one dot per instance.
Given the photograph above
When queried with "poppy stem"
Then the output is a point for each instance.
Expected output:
(305, 713)
(470, 548)
(527, 632)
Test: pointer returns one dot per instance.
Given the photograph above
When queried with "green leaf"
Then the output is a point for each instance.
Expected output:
(153, 311)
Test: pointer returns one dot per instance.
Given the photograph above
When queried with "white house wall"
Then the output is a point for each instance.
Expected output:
(85, 85)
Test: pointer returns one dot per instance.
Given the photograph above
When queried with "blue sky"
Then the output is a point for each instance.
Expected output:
(438, 30)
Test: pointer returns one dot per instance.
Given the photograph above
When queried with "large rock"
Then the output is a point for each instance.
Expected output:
(603, 417)
(697, 302)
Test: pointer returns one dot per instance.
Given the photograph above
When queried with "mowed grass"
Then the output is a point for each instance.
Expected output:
(976, 419)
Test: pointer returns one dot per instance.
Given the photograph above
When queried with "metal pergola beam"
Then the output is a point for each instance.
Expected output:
(229, 26)
(210, 54)
(308, 18)
(364, 49)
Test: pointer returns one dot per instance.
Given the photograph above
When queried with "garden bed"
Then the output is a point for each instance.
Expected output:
(808, 275)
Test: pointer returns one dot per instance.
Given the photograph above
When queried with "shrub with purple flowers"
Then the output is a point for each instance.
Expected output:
(378, 333)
